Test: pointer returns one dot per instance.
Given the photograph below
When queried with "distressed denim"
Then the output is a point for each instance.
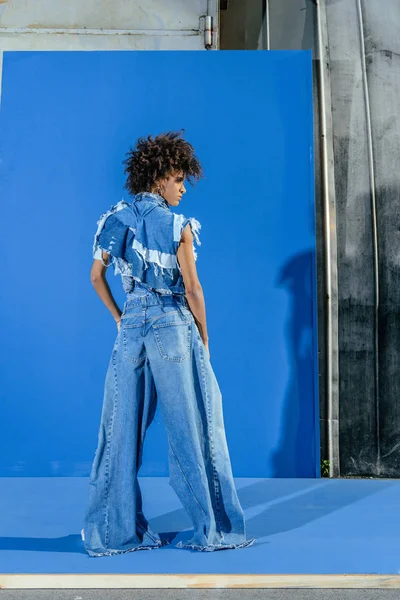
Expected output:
(159, 356)
(142, 239)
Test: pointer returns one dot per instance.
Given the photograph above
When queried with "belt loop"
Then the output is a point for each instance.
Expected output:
(181, 311)
(182, 302)
(143, 298)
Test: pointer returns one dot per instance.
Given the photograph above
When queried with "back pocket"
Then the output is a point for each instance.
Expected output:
(173, 337)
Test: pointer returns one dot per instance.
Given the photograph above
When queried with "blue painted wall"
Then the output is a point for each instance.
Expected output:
(66, 121)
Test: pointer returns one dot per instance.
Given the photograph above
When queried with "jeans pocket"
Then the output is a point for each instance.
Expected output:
(173, 339)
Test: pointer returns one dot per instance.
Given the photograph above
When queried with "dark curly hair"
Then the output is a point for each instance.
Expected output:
(154, 158)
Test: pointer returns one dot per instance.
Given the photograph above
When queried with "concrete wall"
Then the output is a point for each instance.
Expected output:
(364, 49)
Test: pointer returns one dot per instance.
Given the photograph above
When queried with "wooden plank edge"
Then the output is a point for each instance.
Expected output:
(204, 580)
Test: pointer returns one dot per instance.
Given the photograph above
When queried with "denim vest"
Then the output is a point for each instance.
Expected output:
(142, 239)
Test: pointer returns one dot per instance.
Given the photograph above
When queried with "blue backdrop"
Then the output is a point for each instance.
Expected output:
(66, 121)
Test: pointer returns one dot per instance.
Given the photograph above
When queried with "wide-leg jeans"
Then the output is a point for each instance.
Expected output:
(159, 356)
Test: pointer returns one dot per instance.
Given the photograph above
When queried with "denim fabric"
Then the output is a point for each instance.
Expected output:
(159, 356)
(142, 239)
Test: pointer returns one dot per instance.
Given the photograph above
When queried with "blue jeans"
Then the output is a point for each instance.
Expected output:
(159, 355)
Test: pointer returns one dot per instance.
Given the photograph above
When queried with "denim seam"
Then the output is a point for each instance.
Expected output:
(170, 323)
(164, 314)
(215, 478)
(186, 481)
(149, 320)
(145, 530)
(126, 357)
(164, 291)
(109, 450)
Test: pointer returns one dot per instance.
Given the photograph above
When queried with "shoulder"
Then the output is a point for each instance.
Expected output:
(112, 228)
(181, 222)
(122, 211)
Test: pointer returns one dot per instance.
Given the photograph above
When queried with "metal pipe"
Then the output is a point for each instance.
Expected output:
(1, 73)
(208, 32)
(374, 235)
(267, 25)
(90, 31)
(330, 244)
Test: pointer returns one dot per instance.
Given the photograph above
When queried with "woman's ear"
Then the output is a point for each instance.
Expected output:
(156, 185)
(161, 186)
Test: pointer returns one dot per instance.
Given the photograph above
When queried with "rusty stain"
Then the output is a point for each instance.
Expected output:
(73, 30)
(39, 26)
(52, 26)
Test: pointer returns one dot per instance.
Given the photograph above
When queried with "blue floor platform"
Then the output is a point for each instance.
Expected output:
(317, 526)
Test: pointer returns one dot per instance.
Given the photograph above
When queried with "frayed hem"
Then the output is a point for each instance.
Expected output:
(113, 552)
(213, 547)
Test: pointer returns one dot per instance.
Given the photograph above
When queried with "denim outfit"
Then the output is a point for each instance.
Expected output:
(158, 356)
(143, 238)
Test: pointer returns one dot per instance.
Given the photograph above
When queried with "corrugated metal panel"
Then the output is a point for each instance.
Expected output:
(361, 67)
(244, 25)
(365, 75)
(357, 414)
(381, 46)
(292, 24)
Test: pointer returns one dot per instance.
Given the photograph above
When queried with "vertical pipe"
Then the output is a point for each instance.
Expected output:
(267, 24)
(330, 244)
(1, 73)
(374, 235)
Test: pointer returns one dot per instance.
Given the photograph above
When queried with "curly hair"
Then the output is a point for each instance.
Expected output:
(155, 158)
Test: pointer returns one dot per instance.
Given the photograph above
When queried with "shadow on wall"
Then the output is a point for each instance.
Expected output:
(297, 429)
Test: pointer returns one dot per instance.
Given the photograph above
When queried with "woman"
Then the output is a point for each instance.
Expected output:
(160, 355)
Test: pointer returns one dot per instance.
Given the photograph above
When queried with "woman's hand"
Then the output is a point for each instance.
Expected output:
(118, 324)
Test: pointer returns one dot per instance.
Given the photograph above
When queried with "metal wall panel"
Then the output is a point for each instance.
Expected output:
(381, 47)
(243, 25)
(357, 410)
(92, 25)
(361, 66)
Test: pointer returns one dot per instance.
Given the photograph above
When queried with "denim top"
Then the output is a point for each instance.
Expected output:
(142, 239)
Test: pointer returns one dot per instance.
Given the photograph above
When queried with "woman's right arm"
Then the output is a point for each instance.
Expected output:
(193, 288)
(100, 284)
